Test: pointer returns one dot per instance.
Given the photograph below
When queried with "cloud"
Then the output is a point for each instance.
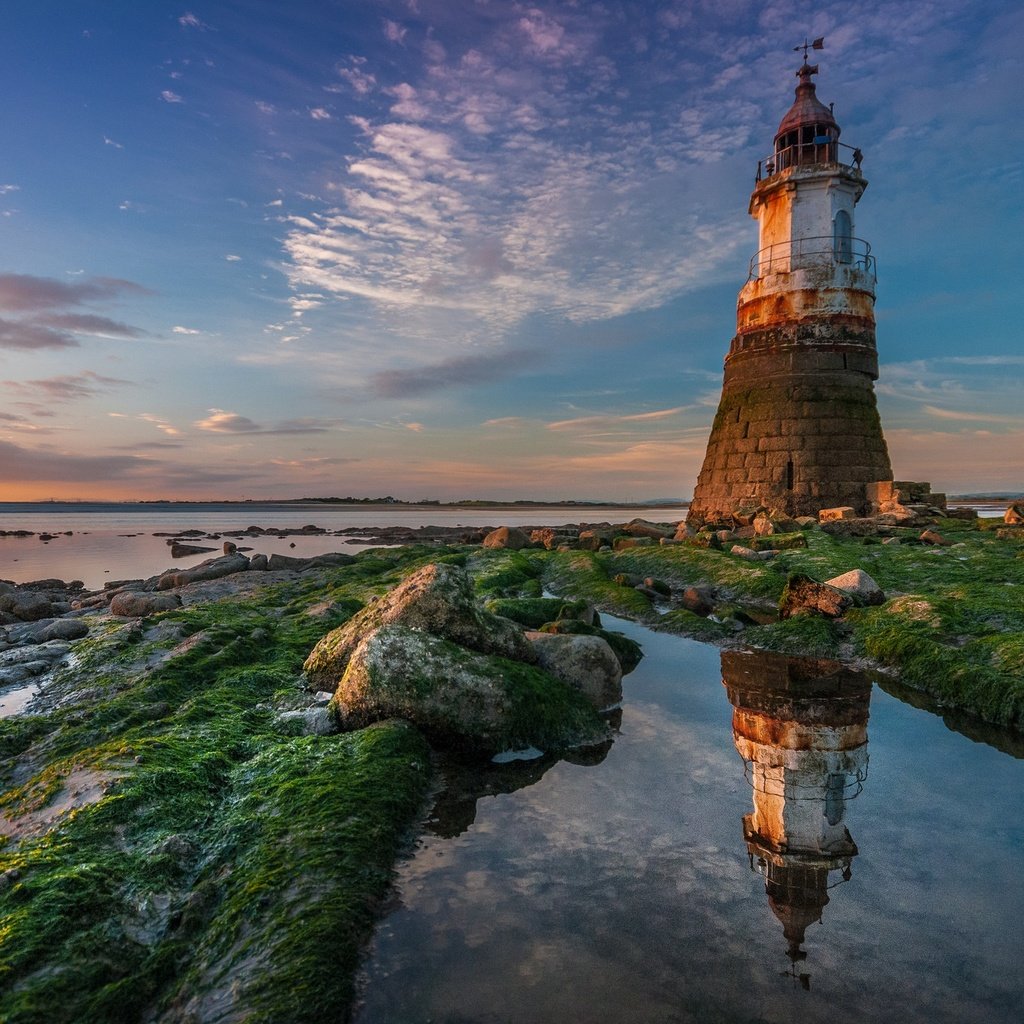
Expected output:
(222, 422)
(189, 20)
(319, 114)
(232, 258)
(394, 32)
(178, 329)
(361, 82)
(110, 142)
(455, 372)
(265, 108)
(5, 189)
(24, 292)
(67, 387)
(159, 422)
(170, 97)
(87, 323)
(39, 465)
(608, 420)
(971, 417)
(17, 334)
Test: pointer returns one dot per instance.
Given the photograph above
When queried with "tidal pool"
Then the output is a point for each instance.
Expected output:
(754, 851)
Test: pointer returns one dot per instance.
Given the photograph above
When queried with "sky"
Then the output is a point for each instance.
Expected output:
(457, 249)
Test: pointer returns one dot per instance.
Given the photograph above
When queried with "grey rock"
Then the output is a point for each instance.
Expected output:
(437, 599)
(211, 569)
(859, 585)
(132, 604)
(586, 663)
(458, 697)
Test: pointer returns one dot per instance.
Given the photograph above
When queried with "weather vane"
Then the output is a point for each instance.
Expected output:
(817, 44)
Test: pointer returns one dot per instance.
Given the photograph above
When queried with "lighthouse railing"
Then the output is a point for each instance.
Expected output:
(816, 251)
(822, 150)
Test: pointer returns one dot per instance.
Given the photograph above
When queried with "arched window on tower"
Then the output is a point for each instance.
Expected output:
(842, 238)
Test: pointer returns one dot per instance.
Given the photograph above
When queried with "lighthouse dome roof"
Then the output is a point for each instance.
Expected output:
(807, 109)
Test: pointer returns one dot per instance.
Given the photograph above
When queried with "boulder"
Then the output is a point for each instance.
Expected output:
(26, 606)
(699, 600)
(259, 563)
(625, 543)
(211, 569)
(859, 585)
(550, 538)
(506, 537)
(136, 605)
(934, 537)
(660, 587)
(331, 558)
(642, 528)
(65, 629)
(828, 515)
(436, 599)
(594, 540)
(179, 550)
(750, 554)
(586, 663)
(804, 596)
(628, 652)
(779, 541)
(314, 721)
(1014, 514)
(458, 697)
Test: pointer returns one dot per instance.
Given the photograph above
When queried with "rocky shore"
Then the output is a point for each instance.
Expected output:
(209, 772)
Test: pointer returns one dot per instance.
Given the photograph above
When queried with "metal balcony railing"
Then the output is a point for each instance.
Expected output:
(822, 150)
(816, 251)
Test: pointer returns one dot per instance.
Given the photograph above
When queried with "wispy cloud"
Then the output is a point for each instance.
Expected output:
(189, 20)
(459, 371)
(178, 329)
(608, 421)
(168, 96)
(221, 421)
(88, 323)
(972, 417)
(66, 387)
(23, 292)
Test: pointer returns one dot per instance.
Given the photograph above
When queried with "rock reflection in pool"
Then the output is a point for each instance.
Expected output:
(800, 726)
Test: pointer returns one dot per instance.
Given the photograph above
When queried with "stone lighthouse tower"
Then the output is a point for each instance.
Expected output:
(797, 428)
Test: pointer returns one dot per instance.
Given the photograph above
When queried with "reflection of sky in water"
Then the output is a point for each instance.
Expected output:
(623, 892)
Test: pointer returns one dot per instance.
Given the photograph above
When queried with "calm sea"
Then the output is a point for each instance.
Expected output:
(99, 542)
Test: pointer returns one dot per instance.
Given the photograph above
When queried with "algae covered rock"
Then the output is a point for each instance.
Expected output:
(459, 697)
(859, 585)
(804, 596)
(436, 599)
(586, 663)
(533, 612)
(507, 537)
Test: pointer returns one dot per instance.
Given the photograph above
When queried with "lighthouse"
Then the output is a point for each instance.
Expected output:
(797, 427)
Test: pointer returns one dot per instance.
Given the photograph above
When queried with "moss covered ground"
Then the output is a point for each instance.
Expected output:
(172, 846)
(952, 625)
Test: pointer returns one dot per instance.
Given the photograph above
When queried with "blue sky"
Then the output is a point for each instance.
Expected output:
(474, 248)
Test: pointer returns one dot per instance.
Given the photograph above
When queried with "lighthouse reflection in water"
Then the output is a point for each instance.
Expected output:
(800, 726)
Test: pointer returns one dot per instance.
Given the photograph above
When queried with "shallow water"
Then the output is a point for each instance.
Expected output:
(634, 890)
(115, 541)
